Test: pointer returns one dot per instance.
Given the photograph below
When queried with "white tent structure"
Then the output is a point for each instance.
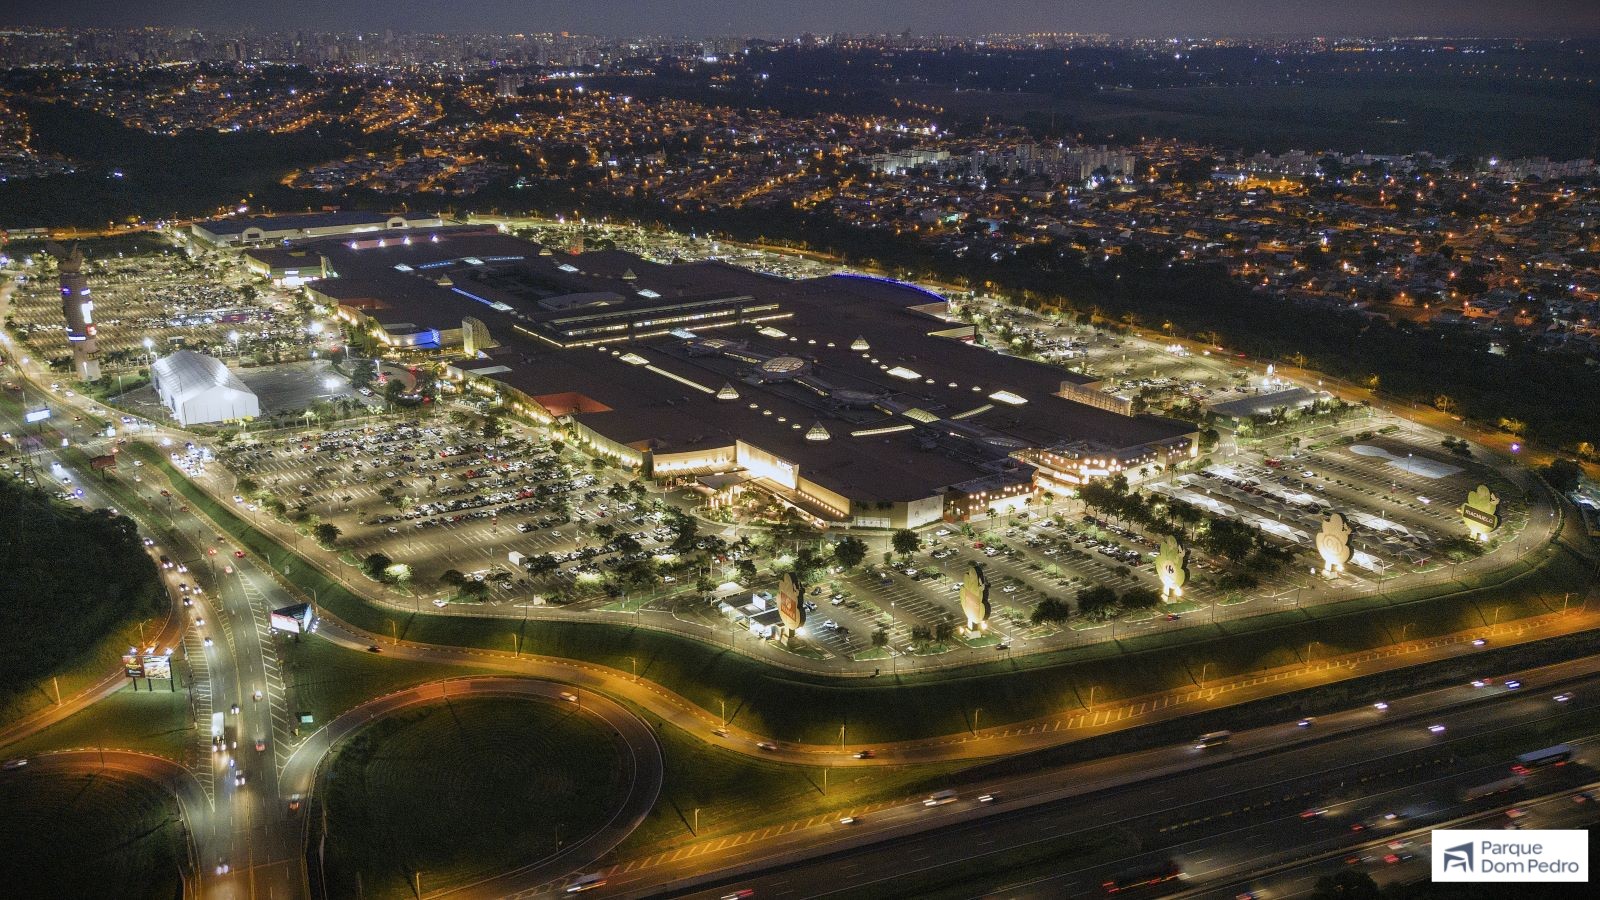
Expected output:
(199, 389)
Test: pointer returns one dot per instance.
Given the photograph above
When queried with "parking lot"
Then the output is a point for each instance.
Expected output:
(439, 496)
(161, 295)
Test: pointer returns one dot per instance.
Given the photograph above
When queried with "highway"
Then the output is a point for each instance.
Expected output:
(1191, 804)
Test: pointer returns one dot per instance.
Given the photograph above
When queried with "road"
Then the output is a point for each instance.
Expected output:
(634, 736)
(1221, 813)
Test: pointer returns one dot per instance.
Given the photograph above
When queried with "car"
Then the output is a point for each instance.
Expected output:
(183, 569)
(234, 709)
(238, 778)
(1436, 729)
(1316, 812)
(1512, 684)
(238, 554)
(294, 802)
(569, 696)
(223, 868)
(207, 641)
(1561, 698)
(188, 602)
(1173, 617)
(988, 798)
(258, 694)
(1583, 797)
(767, 745)
(199, 620)
(1380, 706)
(374, 648)
(940, 798)
(238, 499)
(850, 820)
(227, 570)
(1482, 682)
(866, 754)
(14, 764)
(720, 732)
(1307, 722)
(1480, 642)
(829, 625)
(740, 894)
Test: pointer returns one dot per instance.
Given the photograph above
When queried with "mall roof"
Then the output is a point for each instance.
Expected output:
(920, 408)
(187, 374)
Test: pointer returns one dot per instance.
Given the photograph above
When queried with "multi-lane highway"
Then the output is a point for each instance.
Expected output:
(1220, 812)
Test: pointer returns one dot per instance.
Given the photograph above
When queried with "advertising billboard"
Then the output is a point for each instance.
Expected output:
(790, 609)
(36, 415)
(156, 666)
(293, 619)
(133, 665)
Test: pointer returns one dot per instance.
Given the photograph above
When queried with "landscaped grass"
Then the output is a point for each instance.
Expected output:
(154, 722)
(735, 792)
(88, 836)
(325, 679)
(461, 790)
(794, 706)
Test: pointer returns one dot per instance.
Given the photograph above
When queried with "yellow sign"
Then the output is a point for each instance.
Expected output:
(1170, 568)
(975, 598)
(1481, 512)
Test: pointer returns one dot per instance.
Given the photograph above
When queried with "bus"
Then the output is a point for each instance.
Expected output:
(1157, 873)
(1489, 789)
(216, 732)
(1212, 739)
(1559, 755)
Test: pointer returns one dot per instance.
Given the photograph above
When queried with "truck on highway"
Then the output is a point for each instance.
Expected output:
(1212, 739)
(216, 732)
(1472, 792)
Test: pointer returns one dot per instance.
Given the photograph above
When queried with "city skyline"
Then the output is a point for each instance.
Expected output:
(1137, 18)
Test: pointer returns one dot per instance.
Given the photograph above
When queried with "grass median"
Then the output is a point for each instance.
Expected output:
(812, 708)
(88, 836)
(463, 789)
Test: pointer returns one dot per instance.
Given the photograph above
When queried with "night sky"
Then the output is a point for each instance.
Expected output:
(783, 17)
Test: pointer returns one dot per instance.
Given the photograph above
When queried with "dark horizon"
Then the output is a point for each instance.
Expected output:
(1271, 19)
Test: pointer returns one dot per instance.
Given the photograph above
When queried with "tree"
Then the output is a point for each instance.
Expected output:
(849, 552)
(452, 577)
(1096, 602)
(880, 637)
(943, 632)
(906, 542)
(376, 566)
(1051, 610)
(1140, 598)
(1562, 474)
(541, 566)
(326, 533)
(248, 486)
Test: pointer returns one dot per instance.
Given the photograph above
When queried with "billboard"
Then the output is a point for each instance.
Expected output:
(293, 619)
(975, 598)
(36, 415)
(157, 666)
(133, 665)
(790, 609)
